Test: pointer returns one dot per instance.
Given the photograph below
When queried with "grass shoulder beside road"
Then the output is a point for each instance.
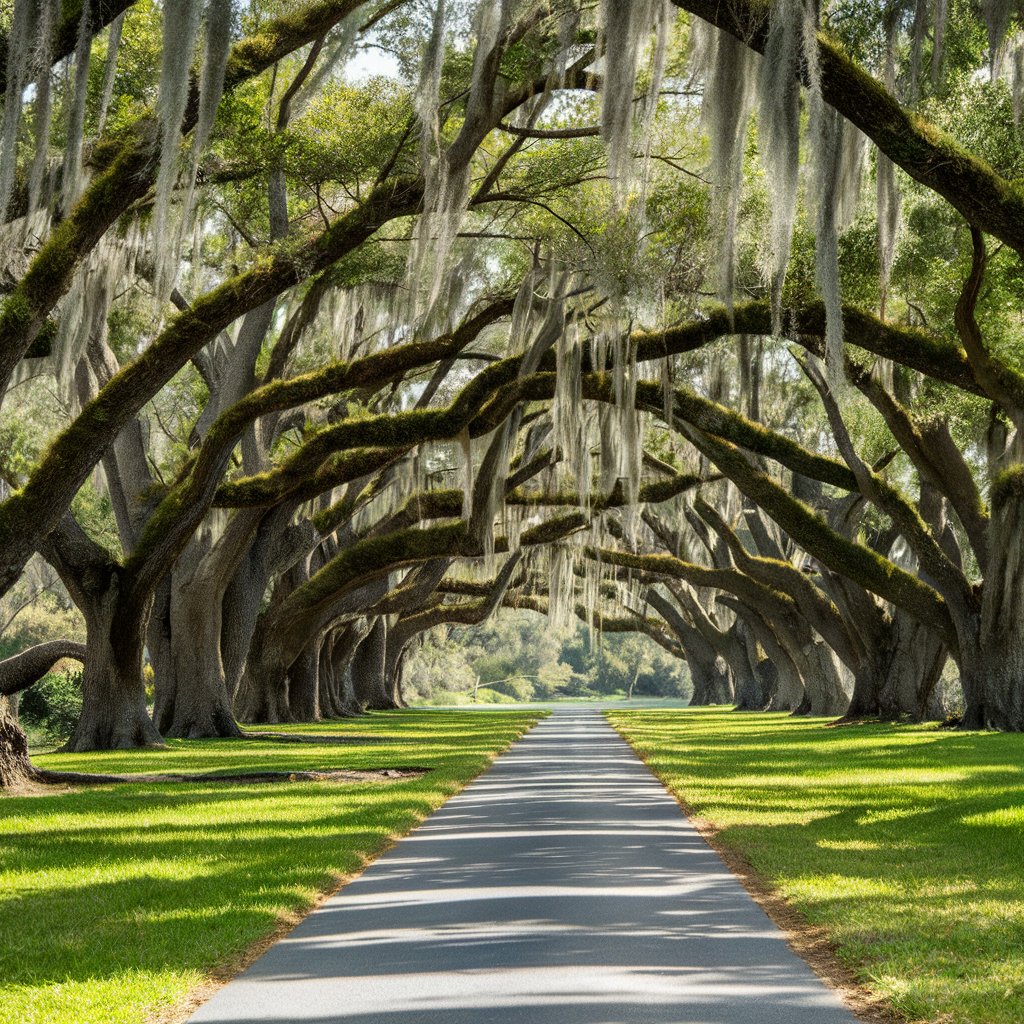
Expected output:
(117, 902)
(906, 843)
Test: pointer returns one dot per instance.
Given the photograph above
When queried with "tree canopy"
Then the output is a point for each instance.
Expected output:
(328, 325)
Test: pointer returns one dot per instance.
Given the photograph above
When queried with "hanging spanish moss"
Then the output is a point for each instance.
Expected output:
(592, 593)
(827, 130)
(110, 70)
(49, 13)
(625, 29)
(1017, 79)
(778, 134)
(447, 180)
(561, 587)
(997, 14)
(20, 47)
(76, 112)
(567, 412)
(211, 87)
(423, 261)
(887, 192)
(466, 451)
(729, 69)
(215, 59)
(181, 26)
(889, 205)
(940, 19)
(85, 310)
(522, 311)
(662, 30)
(918, 32)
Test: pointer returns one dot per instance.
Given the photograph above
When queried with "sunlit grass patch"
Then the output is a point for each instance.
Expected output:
(115, 902)
(905, 842)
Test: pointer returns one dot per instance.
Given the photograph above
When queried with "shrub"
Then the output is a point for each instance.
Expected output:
(485, 695)
(52, 706)
(517, 688)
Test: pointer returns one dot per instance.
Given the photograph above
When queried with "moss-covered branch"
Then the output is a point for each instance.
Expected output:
(654, 492)
(935, 456)
(55, 480)
(22, 670)
(182, 509)
(924, 151)
(603, 623)
(947, 576)
(814, 605)
(812, 533)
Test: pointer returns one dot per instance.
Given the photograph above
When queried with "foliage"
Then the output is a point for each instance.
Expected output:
(515, 655)
(52, 706)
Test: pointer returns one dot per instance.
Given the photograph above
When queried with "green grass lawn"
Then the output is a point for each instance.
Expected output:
(905, 842)
(116, 902)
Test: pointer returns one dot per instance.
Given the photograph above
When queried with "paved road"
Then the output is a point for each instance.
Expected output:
(564, 886)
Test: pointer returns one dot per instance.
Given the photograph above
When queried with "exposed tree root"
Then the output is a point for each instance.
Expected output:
(286, 737)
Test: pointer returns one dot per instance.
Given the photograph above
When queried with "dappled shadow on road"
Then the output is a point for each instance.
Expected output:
(564, 885)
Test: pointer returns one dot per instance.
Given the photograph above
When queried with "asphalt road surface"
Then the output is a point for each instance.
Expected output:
(564, 886)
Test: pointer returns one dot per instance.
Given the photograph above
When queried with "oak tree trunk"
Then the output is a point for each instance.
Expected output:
(824, 692)
(368, 670)
(342, 656)
(327, 684)
(193, 702)
(749, 685)
(114, 714)
(15, 767)
(999, 674)
(913, 665)
(262, 696)
(304, 685)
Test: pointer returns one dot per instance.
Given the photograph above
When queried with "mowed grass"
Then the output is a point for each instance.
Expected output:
(905, 842)
(116, 902)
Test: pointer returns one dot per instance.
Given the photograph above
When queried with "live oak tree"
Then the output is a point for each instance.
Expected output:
(352, 358)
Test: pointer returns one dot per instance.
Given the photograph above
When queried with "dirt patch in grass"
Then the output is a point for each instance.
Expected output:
(49, 782)
(321, 740)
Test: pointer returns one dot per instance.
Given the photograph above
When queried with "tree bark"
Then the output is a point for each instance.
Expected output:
(240, 611)
(825, 694)
(158, 641)
(787, 691)
(368, 670)
(304, 685)
(342, 655)
(751, 689)
(15, 767)
(193, 702)
(914, 662)
(327, 684)
(999, 675)
(114, 714)
(394, 664)
(262, 695)
(711, 684)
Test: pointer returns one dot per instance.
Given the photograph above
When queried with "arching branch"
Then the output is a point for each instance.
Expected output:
(22, 670)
